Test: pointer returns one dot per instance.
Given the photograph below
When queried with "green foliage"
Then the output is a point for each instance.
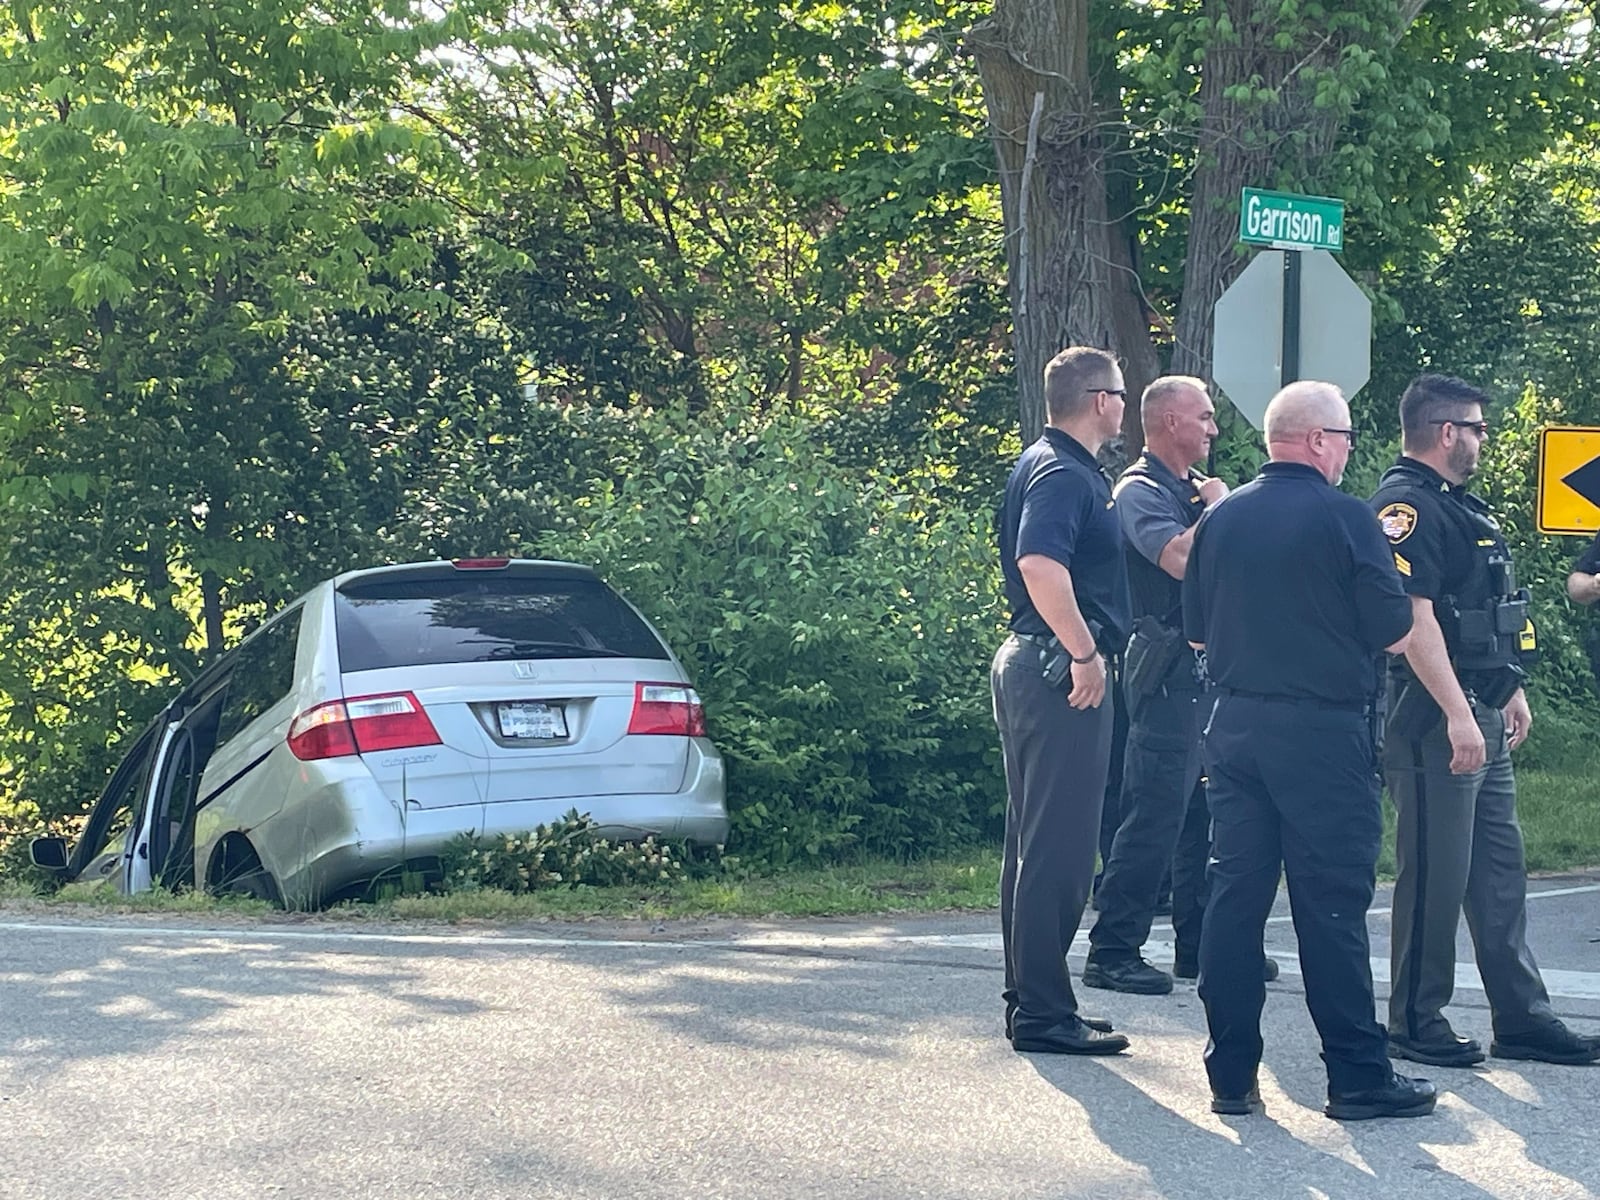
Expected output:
(18, 827)
(197, 202)
(566, 853)
(20, 823)
(708, 294)
(1507, 298)
(837, 626)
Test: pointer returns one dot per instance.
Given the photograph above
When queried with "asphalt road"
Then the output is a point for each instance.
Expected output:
(150, 1057)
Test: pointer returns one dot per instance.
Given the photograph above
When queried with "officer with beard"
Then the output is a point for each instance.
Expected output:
(1456, 711)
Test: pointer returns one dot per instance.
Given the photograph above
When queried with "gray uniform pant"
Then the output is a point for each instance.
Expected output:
(1458, 845)
(1056, 760)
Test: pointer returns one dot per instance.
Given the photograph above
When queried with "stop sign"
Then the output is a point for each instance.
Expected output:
(1247, 342)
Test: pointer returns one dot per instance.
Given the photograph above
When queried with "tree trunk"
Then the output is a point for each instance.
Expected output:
(1067, 283)
(1141, 364)
(1251, 143)
(211, 602)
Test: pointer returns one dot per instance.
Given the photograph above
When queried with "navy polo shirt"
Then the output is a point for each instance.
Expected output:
(1293, 590)
(1058, 503)
(1589, 561)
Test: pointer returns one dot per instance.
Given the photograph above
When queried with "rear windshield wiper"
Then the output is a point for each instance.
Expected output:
(547, 650)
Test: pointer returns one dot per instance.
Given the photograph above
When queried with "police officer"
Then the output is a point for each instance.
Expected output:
(1583, 585)
(1293, 596)
(1158, 500)
(1456, 712)
(1061, 553)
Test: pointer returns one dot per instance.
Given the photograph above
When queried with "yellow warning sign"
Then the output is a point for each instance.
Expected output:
(1569, 479)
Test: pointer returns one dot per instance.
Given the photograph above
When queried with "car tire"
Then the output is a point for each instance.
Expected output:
(240, 873)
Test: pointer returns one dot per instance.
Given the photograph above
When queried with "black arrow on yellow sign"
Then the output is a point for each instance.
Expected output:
(1586, 481)
(1568, 495)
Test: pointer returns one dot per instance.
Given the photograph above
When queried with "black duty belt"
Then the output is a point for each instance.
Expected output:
(1295, 701)
(1045, 641)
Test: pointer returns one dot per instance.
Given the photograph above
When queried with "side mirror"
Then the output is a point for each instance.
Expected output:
(49, 853)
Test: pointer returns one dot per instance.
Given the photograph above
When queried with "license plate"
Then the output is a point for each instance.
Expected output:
(533, 720)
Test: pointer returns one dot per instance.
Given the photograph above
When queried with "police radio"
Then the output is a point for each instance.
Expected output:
(1495, 638)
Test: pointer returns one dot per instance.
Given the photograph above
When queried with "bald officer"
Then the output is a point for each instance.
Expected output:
(1293, 595)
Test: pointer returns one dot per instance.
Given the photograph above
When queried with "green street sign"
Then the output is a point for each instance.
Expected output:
(1291, 222)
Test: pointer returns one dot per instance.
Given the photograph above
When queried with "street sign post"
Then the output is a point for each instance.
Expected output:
(1261, 343)
(1289, 222)
(1569, 479)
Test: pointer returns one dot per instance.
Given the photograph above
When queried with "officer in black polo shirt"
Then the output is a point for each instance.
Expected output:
(1583, 587)
(1456, 712)
(1293, 596)
(1061, 552)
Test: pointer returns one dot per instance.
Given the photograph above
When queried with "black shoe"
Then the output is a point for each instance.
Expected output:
(1450, 1051)
(1237, 1106)
(1400, 1097)
(1074, 1038)
(1130, 975)
(1099, 1024)
(1554, 1044)
(1187, 968)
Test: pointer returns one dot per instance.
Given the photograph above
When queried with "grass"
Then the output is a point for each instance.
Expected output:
(969, 880)
(1560, 819)
(1557, 781)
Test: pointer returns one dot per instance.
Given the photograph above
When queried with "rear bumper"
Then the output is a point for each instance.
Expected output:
(698, 812)
(342, 854)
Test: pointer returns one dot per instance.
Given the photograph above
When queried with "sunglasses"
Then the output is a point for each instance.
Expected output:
(1481, 428)
(1349, 433)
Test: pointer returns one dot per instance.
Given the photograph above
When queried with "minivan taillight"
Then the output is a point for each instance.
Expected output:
(361, 725)
(667, 708)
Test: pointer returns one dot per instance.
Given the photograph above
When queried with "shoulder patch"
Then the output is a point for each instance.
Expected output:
(1398, 520)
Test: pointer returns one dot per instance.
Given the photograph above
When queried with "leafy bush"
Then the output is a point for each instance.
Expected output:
(567, 853)
(838, 626)
(20, 823)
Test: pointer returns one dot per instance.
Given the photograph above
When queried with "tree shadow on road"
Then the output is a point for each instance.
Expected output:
(106, 993)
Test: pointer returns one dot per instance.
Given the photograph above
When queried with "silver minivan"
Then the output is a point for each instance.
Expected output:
(386, 711)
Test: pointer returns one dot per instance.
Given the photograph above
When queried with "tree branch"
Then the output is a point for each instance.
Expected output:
(1028, 161)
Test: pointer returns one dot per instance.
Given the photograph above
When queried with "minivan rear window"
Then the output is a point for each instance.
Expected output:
(413, 622)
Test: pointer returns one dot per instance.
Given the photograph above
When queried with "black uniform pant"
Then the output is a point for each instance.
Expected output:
(1111, 809)
(1189, 888)
(1291, 786)
(1056, 760)
(1161, 768)
(1458, 844)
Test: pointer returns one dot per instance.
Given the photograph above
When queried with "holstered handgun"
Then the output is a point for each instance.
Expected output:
(1495, 688)
(1055, 663)
(1413, 712)
(1153, 652)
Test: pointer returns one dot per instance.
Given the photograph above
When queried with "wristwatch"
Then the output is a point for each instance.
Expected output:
(1088, 658)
